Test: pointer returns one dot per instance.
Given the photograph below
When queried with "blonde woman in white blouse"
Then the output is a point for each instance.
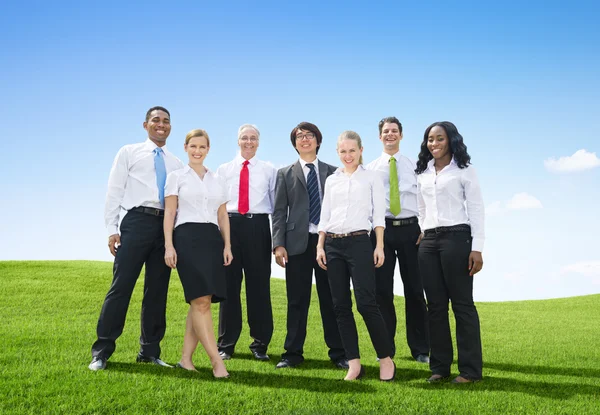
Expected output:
(451, 215)
(199, 246)
(353, 203)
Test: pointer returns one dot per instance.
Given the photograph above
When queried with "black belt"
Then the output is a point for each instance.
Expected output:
(247, 215)
(345, 235)
(442, 229)
(401, 222)
(148, 211)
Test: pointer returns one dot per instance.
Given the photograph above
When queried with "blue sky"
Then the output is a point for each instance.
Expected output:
(519, 80)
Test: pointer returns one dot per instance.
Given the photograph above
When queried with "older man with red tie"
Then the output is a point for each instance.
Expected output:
(251, 184)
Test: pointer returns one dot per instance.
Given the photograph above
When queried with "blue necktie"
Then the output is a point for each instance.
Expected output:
(314, 201)
(161, 174)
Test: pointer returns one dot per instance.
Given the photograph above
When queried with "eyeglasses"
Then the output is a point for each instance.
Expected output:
(307, 136)
(251, 139)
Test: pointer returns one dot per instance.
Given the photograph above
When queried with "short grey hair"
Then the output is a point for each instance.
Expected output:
(244, 126)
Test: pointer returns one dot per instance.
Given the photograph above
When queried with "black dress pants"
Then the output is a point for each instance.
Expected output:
(251, 249)
(352, 258)
(142, 242)
(298, 282)
(444, 265)
(400, 242)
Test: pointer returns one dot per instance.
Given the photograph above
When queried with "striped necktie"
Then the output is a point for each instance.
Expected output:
(314, 201)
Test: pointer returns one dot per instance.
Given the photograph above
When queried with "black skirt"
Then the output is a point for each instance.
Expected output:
(200, 266)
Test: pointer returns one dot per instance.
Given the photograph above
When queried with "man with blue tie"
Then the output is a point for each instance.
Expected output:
(298, 195)
(136, 186)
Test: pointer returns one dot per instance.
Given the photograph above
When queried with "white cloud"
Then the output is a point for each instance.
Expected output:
(522, 201)
(589, 269)
(581, 160)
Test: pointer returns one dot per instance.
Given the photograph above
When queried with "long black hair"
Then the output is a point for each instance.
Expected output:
(458, 149)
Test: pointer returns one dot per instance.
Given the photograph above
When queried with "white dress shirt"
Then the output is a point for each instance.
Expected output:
(262, 176)
(198, 199)
(312, 228)
(132, 181)
(452, 197)
(407, 183)
(352, 202)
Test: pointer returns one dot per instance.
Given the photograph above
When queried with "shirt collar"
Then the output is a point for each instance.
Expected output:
(304, 163)
(239, 160)
(340, 170)
(385, 156)
(430, 163)
(187, 169)
(152, 145)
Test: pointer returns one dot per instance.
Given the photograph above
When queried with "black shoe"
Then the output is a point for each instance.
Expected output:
(393, 375)
(224, 355)
(154, 360)
(284, 363)
(97, 364)
(435, 378)
(342, 363)
(422, 358)
(360, 375)
(260, 356)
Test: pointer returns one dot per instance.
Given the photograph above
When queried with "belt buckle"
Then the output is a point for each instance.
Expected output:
(396, 222)
(156, 212)
(249, 215)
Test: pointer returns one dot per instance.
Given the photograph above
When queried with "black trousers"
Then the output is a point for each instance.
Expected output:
(142, 242)
(251, 248)
(444, 262)
(400, 243)
(298, 282)
(352, 258)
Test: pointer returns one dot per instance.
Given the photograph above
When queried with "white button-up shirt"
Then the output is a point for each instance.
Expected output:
(262, 176)
(312, 228)
(198, 199)
(452, 197)
(132, 181)
(407, 183)
(352, 202)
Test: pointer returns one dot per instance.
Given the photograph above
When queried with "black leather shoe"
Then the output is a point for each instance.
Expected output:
(435, 378)
(260, 356)
(422, 358)
(284, 363)
(224, 355)
(393, 375)
(342, 364)
(154, 360)
(97, 364)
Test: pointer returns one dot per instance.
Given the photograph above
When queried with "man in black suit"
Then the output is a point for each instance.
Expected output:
(298, 195)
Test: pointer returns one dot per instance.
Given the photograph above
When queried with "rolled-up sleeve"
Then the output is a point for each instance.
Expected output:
(378, 195)
(326, 206)
(475, 208)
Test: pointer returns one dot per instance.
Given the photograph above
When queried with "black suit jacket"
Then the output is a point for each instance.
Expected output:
(290, 215)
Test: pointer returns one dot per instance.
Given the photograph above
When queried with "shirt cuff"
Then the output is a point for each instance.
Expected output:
(477, 244)
(112, 229)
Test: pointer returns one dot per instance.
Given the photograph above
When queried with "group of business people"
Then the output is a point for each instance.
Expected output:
(342, 225)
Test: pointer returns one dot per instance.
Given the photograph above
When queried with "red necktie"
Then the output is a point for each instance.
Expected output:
(244, 203)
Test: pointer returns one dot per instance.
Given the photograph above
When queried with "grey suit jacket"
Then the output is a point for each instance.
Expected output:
(290, 215)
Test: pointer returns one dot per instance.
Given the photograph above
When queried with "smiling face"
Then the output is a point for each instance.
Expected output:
(390, 137)
(248, 141)
(306, 143)
(438, 143)
(197, 149)
(349, 153)
(158, 127)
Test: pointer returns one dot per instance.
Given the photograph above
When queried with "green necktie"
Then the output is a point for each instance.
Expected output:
(394, 189)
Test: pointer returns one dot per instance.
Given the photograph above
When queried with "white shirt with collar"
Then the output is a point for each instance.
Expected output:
(352, 202)
(407, 183)
(312, 228)
(132, 181)
(452, 197)
(262, 177)
(198, 199)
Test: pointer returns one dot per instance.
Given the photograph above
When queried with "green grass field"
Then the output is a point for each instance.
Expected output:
(539, 357)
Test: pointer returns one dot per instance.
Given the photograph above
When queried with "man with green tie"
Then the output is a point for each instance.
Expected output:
(401, 241)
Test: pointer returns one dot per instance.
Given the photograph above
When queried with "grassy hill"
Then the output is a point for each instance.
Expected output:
(539, 357)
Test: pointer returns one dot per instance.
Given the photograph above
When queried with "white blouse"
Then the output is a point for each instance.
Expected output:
(451, 197)
(198, 199)
(352, 203)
